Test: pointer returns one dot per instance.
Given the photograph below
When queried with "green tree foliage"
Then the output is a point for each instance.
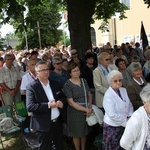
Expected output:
(2, 45)
(147, 2)
(81, 13)
(24, 14)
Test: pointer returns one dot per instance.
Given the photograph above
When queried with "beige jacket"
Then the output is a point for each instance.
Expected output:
(101, 85)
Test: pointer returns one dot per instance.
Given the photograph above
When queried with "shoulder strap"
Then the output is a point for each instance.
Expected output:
(84, 91)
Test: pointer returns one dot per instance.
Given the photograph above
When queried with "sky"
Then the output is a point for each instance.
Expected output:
(6, 29)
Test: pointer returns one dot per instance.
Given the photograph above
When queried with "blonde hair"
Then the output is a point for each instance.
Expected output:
(102, 56)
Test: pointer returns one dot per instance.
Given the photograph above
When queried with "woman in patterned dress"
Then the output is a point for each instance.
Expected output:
(77, 110)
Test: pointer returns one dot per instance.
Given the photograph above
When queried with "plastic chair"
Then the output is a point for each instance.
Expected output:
(21, 109)
(30, 139)
(5, 113)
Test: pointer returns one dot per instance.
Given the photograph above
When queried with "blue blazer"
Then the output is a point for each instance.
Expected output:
(37, 104)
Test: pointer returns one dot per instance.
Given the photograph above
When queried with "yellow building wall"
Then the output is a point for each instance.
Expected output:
(128, 29)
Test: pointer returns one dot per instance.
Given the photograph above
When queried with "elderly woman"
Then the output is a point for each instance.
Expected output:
(146, 67)
(137, 132)
(136, 85)
(118, 109)
(77, 111)
(100, 78)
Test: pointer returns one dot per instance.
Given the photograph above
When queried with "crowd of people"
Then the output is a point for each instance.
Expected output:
(58, 87)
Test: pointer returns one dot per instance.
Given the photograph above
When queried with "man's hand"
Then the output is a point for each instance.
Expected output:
(52, 104)
(12, 92)
(59, 104)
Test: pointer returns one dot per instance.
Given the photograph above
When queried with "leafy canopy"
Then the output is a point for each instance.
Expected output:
(24, 14)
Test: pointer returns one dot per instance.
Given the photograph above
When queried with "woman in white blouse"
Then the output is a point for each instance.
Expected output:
(118, 109)
(137, 132)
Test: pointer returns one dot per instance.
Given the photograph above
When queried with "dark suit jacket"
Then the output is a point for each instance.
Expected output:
(133, 90)
(37, 104)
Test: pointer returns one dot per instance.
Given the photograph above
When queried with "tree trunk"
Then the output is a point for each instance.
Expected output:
(79, 18)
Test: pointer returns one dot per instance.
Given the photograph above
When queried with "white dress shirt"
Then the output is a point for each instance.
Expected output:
(54, 111)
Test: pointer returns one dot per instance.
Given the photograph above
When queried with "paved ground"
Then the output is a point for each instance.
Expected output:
(16, 143)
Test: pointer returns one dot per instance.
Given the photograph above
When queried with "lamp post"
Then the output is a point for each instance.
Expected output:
(7, 35)
(39, 34)
(114, 27)
(115, 32)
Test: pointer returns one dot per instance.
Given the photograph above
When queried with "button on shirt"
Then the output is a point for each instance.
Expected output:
(54, 111)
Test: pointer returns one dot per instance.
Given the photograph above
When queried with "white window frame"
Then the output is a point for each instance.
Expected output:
(126, 2)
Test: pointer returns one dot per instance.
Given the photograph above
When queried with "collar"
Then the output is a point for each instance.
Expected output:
(32, 74)
(7, 67)
(139, 82)
(44, 84)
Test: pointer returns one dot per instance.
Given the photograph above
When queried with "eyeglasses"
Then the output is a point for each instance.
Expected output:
(115, 81)
(107, 59)
(43, 70)
(58, 63)
(74, 71)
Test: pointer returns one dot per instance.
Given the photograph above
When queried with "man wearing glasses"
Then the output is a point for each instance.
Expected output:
(58, 74)
(44, 99)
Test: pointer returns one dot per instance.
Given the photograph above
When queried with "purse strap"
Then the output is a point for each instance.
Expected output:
(85, 95)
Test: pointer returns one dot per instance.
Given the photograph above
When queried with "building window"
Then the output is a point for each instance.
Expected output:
(93, 36)
(126, 2)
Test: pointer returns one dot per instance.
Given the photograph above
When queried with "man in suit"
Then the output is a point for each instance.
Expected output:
(45, 100)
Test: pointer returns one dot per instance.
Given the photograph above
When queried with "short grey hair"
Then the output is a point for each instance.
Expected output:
(113, 74)
(31, 59)
(56, 59)
(8, 55)
(145, 93)
(134, 66)
(40, 63)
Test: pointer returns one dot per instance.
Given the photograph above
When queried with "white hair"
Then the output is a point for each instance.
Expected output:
(145, 93)
(113, 74)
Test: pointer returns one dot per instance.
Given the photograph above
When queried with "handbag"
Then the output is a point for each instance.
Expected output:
(92, 119)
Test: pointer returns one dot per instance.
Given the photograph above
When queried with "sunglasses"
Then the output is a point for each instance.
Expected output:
(116, 81)
(107, 59)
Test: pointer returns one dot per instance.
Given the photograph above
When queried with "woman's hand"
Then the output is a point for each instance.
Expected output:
(89, 112)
